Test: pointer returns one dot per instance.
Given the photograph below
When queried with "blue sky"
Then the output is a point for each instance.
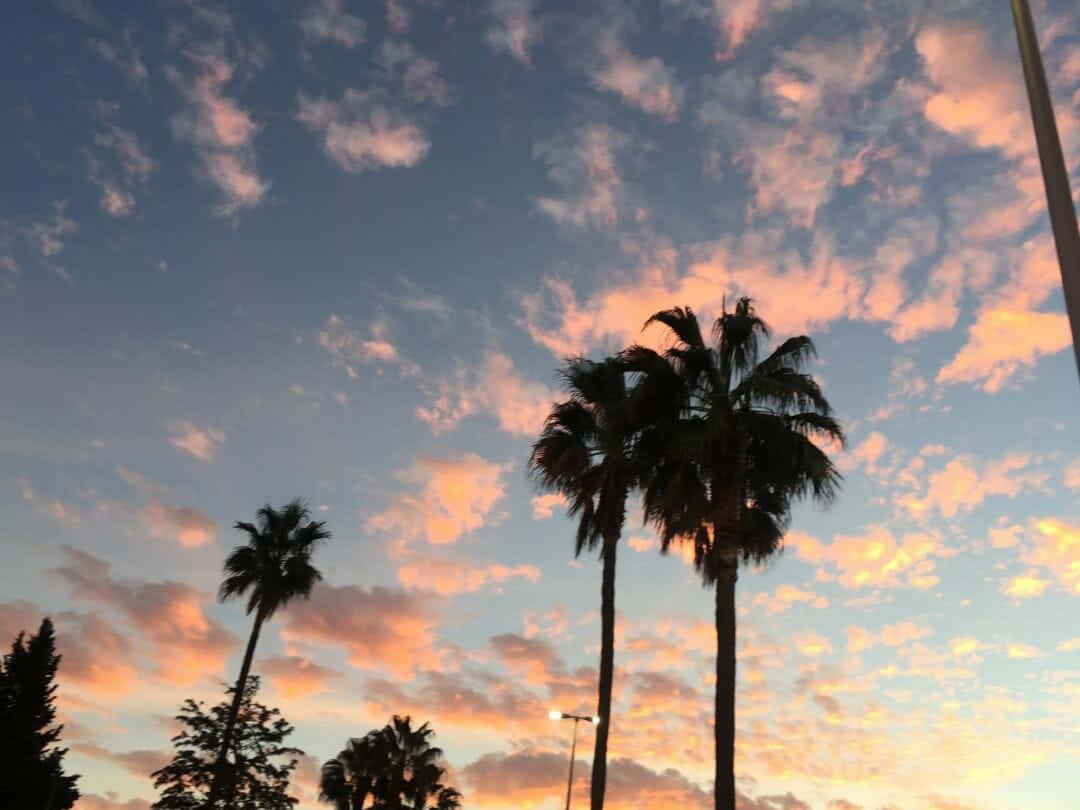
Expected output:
(337, 249)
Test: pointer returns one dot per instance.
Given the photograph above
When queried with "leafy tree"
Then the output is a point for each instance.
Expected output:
(585, 452)
(396, 767)
(275, 567)
(31, 764)
(729, 443)
(258, 775)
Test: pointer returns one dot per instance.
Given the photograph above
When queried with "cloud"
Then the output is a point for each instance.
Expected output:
(350, 348)
(360, 133)
(783, 598)
(185, 524)
(514, 28)
(48, 235)
(875, 559)
(378, 627)
(1026, 586)
(454, 497)
(135, 167)
(202, 443)
(962, 484)
(533, 659)
(449, 577)
(125, 58)
(328, 19)
(96, 655)
(1001, 343)
(543, 506)
(110, 801)
(647, 84)
(296, 677)
(735, 20)
(1072, 475)
(520, 405)
(221, 132)
(585, 167)
(1053, 547)
(419, 75)
(1023, 651)
(81, 10)
(141, 762)
(188, 644)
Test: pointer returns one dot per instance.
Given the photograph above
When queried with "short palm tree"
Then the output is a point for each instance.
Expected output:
(273, 568)
(585, 452)
(397, 767)
(728, 445)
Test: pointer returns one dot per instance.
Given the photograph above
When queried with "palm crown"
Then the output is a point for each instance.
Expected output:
(275, 563)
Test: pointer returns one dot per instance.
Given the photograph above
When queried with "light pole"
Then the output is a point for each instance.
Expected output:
(1055, 176)
(555, 714)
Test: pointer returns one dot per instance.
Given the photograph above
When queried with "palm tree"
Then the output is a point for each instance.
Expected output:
(729, 444)
(585, 452)
(275, 566)
(396, 766)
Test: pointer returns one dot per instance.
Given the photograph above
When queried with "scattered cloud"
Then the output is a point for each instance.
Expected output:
(449, 577)
(185, 524)
(202, 443)
(584, 166)
(734, 20)
(515, 29)
(220, 130)
(350, 348)
(361, 133)
(188, 644)
(875, 559)
(519, 405)
(963, 484)
(544, 506)
(647, 84)
(296, 677)
(419, 75)
(135, 167)
(1052, 547)
(328, 19)
(81, 10)
(123, 55)
(452, 497)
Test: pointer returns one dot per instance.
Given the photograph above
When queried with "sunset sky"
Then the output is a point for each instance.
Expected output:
(337, 248)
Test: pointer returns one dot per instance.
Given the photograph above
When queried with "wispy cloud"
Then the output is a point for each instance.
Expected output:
(329, 20)
(648, 84)
(515, 28)
(350, 348)
(188, 526)
(200, 442)
(584, 166)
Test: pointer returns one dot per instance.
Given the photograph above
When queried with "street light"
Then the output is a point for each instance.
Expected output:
(555, 714)
(1055, 177)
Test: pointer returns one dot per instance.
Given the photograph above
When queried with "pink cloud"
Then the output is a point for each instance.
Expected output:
(418, 74)
(647, 84)
(359, 133)
(448, 577)
(351, 348)
(585, 167)
(110, 801)
(455, 497)
(328, 19)
(221, 132)
(187, 644)
(962, 485)
(296, 677)
(787, 596)
(379, 627)
(187, 525)
(515, 28)
(202, 443)
(544, 506)
(520, 405)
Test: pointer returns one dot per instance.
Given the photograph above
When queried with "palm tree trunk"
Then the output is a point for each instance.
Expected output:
(607, 673)
(724, 723)
(234, 711)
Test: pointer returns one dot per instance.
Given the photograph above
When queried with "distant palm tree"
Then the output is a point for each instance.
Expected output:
(396, 766)
(730, 444)
(275, 566)
(585, 452)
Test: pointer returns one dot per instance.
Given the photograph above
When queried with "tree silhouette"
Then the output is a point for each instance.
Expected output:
(396, 767)
(275, 566)
(730, 444)
(31, 764)
(258, 776)
(585, 452)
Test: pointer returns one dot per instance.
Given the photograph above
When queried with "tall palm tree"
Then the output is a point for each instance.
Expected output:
(396, 766)
(585, 452)
(729, 443)
(275, 567)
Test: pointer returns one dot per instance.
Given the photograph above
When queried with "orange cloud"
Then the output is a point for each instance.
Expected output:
(962, 485)
(456, 497)
(1053, 546)
(202, 443)
(188, 644)
(296, 677)
(350, 348)
(642, 543)
(140, 763)
(448, 577)
(519, 405)
(1026, 586)
(1072, 475)
(785, 596)
(187, 525)
(874, 559)
(543, 506)
(110, 801)
(379, 627)
(813, 644)
(534, 659)
(1018, 650)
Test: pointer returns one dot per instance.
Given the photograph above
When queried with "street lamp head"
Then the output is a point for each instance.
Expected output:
(596, 720)
(555, 714)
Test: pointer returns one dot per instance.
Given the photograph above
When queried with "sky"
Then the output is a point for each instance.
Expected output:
(337, 249)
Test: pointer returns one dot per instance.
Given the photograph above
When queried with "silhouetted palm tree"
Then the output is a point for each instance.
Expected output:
(396, 766)
(729, 443)
(275, 567)
(585, 452)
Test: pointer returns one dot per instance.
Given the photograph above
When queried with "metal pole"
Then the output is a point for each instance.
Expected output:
(573, 750)
(1055, 176)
